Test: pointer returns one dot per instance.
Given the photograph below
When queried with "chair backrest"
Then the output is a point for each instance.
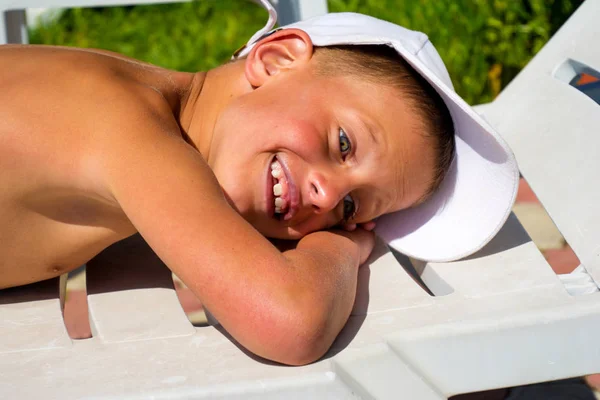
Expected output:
(553, 129)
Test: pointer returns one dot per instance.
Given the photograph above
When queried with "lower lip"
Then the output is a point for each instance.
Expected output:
(269, 191)
(292, 197)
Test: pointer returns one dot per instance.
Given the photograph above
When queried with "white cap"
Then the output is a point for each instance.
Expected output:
(477, 194)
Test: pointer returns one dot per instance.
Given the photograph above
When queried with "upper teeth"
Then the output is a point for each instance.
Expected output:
(279, 187)
(275, 171)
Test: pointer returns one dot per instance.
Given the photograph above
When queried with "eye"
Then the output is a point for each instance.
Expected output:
(349, 207)
(345, 144)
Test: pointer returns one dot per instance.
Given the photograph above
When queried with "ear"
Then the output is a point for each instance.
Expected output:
(282, 50)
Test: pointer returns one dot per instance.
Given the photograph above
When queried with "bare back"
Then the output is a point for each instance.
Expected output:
(56, 211)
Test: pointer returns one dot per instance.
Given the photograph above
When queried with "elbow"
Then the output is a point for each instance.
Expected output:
(300, 338)
(302, 349)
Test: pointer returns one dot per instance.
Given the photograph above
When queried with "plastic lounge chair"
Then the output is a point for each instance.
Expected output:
(499, 318)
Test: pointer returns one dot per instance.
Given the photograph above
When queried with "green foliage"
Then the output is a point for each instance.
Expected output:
(192, 36)
(483, 42)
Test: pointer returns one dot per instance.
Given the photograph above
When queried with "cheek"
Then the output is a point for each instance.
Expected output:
(270, 120)
(270, 133)
(303, 138)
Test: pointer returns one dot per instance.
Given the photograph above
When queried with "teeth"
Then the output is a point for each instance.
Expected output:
(279, 187)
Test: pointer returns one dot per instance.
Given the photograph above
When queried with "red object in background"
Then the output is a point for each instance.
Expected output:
(593, 381)
(525, 194)
(586, 78)
(76, 315)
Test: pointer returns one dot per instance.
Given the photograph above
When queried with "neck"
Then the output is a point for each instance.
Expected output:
(206, 97)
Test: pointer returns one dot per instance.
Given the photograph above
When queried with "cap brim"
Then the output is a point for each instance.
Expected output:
(474, 200)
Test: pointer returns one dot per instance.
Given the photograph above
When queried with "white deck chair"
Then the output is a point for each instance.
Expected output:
(500, 318)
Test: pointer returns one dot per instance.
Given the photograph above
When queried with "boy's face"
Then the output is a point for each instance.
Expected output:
(341, 149)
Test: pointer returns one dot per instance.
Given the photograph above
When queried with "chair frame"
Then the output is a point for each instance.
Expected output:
(496, 319)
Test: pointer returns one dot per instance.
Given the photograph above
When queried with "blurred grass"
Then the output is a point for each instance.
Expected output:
(190, 36)
(483, 42)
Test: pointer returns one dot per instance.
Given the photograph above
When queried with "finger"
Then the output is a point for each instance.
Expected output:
(349, 227)
(368, 226)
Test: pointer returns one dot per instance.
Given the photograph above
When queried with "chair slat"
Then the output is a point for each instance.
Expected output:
(131, 295)
(378, 372)
(531, 344)
(510, 262)
(31, 317)
(382, 279)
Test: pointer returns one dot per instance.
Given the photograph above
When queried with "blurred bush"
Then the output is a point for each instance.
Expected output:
(483, 42)
(190, 36)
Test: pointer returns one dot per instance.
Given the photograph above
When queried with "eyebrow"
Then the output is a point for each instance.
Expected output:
(371, 131)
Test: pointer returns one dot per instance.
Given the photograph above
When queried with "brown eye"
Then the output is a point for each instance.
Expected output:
(345, 145)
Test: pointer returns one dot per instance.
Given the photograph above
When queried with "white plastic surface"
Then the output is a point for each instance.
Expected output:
(31, 319)
(290, 11)
(502, 317)
(553, 130)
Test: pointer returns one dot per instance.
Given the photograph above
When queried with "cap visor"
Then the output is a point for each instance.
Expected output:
(473, 201)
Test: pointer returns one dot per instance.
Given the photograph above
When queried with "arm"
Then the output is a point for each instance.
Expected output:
(287, 307)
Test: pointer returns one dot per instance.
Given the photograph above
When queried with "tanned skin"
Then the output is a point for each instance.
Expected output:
(95, 147)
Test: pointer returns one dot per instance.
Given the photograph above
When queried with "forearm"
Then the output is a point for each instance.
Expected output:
(290, 310)
(327, 266)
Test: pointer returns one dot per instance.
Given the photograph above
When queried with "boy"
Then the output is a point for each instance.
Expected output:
(288, 142)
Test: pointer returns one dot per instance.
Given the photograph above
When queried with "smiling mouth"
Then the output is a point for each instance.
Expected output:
(284, 194)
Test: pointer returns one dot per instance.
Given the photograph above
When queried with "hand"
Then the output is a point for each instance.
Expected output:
(369, 226)
(363, 238)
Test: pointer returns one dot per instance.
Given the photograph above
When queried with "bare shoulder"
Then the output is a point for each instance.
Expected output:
(77, 103)
(72, 123)
(65, 116)
(82, 77)
(76, 81)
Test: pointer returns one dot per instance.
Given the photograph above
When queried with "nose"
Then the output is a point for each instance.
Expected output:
(325, 191)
